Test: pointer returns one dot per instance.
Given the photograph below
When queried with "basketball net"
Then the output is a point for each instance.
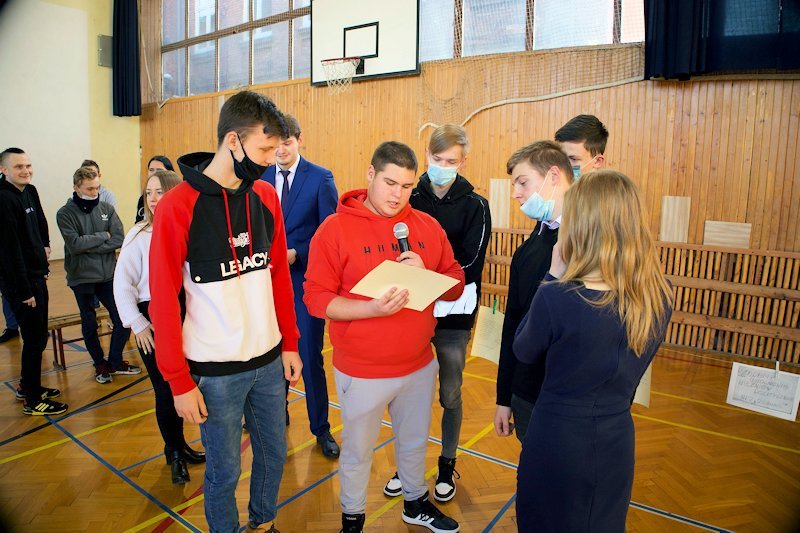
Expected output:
(339, 73)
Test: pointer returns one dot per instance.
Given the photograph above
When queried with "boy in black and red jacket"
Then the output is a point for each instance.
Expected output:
(219, 237)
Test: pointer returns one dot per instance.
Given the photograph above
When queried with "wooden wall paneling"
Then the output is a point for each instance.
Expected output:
(733, 234)
(674, 225)
(500, 201)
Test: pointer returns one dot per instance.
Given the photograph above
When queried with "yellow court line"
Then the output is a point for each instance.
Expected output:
(692, 428)
(471, 357)
(199, 498)
(79, 435)
(710, 404)
(429, 474)
(326, 350)
(717, 434)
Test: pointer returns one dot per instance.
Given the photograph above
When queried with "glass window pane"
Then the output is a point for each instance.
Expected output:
(494, 26)
(234, 61)
(301, 3)
(173, 73)
(301, 41)
(173, 21)
(201, 17)
(435, 29)
(201, 67)
(564, 23)
(232, 13)
(271, 53)
(267, 8)
(632, 30)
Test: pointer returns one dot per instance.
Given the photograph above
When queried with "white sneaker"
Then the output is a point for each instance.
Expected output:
(393, 487)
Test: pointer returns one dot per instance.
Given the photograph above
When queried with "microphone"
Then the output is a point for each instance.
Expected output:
(400, 231)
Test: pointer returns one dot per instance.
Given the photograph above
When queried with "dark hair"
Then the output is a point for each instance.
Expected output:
(164, 161)
(394, 153)
(587, 129)
(82, 174)
(8, 151)
(292, 125)
(90, 163)
(541, 155)
(247, 109)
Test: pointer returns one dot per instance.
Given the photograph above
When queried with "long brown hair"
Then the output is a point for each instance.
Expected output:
(604, 228)
(168, 180)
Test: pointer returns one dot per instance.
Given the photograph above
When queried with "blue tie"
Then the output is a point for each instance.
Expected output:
(285, 190)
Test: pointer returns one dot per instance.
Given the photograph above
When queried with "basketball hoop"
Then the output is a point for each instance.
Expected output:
(339, 72)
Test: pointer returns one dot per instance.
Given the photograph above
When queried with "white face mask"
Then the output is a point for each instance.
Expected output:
(88, 198)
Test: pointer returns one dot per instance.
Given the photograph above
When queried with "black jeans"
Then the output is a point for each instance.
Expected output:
(169, 423)
(33, 327)
(85, 294)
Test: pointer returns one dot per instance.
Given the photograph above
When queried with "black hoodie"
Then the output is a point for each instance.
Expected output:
(464, 216)
(23, 238)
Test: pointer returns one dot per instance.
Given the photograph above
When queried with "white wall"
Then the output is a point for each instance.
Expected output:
(44, 96)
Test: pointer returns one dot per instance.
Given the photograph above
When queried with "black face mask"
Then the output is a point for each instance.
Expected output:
(246, 169)
(85, 205)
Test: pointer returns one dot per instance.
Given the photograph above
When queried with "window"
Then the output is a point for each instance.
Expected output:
(494, 26)
(565, 23)
(436, 18)
(217, 45)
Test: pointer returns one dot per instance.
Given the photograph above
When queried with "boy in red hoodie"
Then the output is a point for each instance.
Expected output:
(381, 351)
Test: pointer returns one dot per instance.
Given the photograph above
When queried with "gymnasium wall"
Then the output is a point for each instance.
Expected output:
(729, 145)
(57, 102)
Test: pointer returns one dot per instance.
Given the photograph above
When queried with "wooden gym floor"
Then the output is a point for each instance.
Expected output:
(700, 464)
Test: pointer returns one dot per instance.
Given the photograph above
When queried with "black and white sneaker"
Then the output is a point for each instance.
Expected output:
(423, 513)
(353, 523)
(393, 487)
(445, 487)
(47, 394)
(44, 407)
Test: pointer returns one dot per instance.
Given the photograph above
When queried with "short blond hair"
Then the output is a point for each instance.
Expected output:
(446, 136)
(83, 174)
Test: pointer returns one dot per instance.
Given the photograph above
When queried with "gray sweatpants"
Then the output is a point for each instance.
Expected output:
(363, 401)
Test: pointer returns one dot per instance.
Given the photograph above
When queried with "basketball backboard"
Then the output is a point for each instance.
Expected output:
(383, 33)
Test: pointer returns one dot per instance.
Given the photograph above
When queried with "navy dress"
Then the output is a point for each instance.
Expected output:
(576, 467)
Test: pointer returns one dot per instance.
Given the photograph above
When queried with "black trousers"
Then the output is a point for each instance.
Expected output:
(169, 423)
(33, 327)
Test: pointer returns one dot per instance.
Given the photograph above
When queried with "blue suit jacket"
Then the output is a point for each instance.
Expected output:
(312, 197)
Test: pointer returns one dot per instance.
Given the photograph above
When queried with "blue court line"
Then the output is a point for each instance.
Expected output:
(679, 518)
(175, 516)
(500, 513)
(54, 370)
(157, 456)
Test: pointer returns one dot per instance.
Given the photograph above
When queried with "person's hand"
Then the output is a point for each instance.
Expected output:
(191, 407)
(390, 303)
(291, 254)
(30, 301)
(292, 367)
(557, 264)
(412, 259)
(144, 340)
(502, 421)
(47, 252)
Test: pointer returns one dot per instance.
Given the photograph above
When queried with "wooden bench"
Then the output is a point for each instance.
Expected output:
(56, 324)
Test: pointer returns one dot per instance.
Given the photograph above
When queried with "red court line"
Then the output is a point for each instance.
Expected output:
(160, 528)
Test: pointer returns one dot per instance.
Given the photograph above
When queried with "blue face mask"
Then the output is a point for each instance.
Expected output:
(537, 207)
(441, 175)
(576, 172)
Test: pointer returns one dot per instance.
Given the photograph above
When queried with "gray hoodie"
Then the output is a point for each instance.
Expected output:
(88, 251)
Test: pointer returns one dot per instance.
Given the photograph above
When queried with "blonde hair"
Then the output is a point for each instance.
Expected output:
(446, 136)
(604, 229)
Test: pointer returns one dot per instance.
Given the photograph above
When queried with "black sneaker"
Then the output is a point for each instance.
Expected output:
(393, 487)
(9, 334)
(353, 523)
(127, 369)
(423, 513)
(102, 373)
(44, 407)
(445, 487)
(47, 394)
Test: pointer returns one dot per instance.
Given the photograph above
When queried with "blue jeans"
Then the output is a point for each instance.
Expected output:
(451, 351)
(259, 395)
(8, 314)
(85, 295)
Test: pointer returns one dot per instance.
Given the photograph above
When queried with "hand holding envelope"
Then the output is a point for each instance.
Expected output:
(424, 286)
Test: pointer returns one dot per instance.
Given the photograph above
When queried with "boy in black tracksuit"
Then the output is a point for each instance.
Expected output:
(541, 174)
(23, 274)
(464, 215)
